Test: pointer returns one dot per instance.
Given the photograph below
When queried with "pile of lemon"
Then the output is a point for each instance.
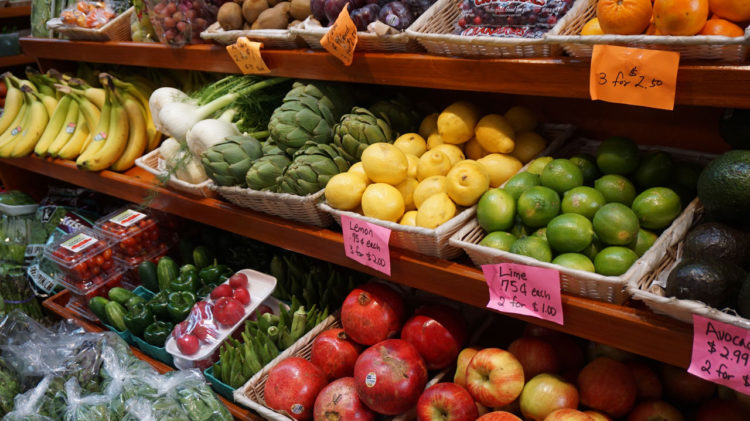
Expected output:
(424, 179)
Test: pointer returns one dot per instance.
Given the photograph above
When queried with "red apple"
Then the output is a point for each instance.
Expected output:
(339, 401)
(292, 387)
(335, 354)
(607, 385)
(569, 352)
(438, 332)
(684, 387)
(657, 410)
(494, 377)
(481, 409)
(646, 380)
(597, 350)
(717, 409)
(372, 313)
(390, 376)
(536, 356)
(546, 393)
(464, 358)
(499, 416)
(597, 416)
(567, 414)
(513, 407)
(446, 402)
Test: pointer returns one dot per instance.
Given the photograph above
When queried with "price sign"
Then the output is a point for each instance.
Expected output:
(721, 353)
(367, 243)
(526, 290)
(634, 76)
(246, 54)
(342, 38)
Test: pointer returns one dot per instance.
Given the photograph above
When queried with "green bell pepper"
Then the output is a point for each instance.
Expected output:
(157, 333)
(205, 291)
(133, 301)
(158, 305)
(138, 318)
(187, 281)
(179, 305)
(210, 274)
(188, 268)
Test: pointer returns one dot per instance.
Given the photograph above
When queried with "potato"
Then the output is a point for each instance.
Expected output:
(230, 16)
(252, 8)
(273, 18)
(300, 9)
(294, 23)
(273, 3)
(246, 27)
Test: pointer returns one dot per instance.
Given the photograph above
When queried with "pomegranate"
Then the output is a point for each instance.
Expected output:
(372, 313)
(292, 387)
(335, 354)
(339, 401)
(438, 332)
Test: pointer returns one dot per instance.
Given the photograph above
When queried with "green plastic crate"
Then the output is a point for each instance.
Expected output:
(219, 387)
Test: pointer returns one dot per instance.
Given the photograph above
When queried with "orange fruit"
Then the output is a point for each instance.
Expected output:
(680, 17)
(721, 27)
(734, 10)
(651, 30)
(624, 17)
(592, 27)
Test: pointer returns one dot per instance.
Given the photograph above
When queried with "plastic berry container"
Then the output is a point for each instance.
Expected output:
(134, 234)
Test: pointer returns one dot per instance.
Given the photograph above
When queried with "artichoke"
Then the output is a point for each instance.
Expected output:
(357, 130)
(311, 169)
(227, 162)
(271, 148)
(264, 172)
(401, 113)
(308, 114)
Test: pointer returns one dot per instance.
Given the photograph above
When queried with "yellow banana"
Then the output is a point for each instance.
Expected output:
(99, 132)
(153, 135)
(49, 101)
(75, 145)
(137, 137)
(117, 139)
(18, 123)
(13, 104)
(63, 136)
(22, 146)
(54, 126)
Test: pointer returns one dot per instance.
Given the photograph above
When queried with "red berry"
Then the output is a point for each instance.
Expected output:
(188, 344)
(241, 295)
(223, 290)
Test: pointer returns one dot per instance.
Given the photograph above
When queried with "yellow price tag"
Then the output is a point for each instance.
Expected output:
(246, 54)
(342, 38)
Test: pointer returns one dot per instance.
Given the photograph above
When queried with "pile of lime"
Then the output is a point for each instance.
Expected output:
(595, 214)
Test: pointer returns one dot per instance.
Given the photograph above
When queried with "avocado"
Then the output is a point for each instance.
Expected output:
(724, 188)
(713, 282)
(734, 128)
(714, 240)
(743, 299)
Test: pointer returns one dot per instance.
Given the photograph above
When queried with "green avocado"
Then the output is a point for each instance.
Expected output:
(714, 282)
(714, 240)
(724, 188)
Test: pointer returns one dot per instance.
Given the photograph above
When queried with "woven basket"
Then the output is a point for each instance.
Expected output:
(366, 41)
(435, 31)
(118, 29)
(150, 163)
(282, 39)
(610, 289)
(288, 206)
(702, 47)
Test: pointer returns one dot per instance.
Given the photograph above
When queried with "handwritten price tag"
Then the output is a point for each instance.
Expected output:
(246, 54)
(342, 38)
(367, 243)
(634, 76)
(526, 290)
(721, 353)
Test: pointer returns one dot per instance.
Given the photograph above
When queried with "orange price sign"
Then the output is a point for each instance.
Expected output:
(246, 54)
(342, 38)
(634, 76)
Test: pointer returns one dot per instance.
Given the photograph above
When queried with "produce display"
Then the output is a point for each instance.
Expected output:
(85, 260)
(510, 19)
(88, 14)
(178, 23)
(135, 234)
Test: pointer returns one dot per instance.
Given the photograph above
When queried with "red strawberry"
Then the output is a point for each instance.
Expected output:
(241, 295)
(222, 290)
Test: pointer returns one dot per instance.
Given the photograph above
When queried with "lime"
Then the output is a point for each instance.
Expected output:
(616, 188)
(587, 164)
(644, 240)
(617, 155)
(536, 166)
(561, 175)
(521, 182)
(500, 240)
(541, 233)
(496, 210)
(519, 229)
(570, 232)
(583, 200)
(594, 248)
(614, 261)
(532, 247)
(656, 169)
(657, 207)
(575, 261)
(616, 224)
(538, 205)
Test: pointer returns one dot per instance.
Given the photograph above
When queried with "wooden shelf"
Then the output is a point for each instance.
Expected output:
(697, 84)
(19, 60)
(635, 330)
(14, 11)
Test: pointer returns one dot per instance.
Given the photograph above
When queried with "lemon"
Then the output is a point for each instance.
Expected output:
(495, 134)
(428, 187)
(528, 145)
(456, 123)
(473, 163)
(433, 163)
(435, 211)
(407, 188)
(411, 143)
(409, 218)
(536, 166)
(428, 125)
(359, 170)
(413, 165)
(344, 191)
(473, 149)
(467, 183)
(521, 119)
(385, 163)
(453, 152)
(500, 167)
(382, 201)
(434, 140)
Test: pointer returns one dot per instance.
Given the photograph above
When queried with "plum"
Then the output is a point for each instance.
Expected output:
(418, 7)
(317, 7)
(333, 8)
(365, 15)
(356, 4)
(396, 15)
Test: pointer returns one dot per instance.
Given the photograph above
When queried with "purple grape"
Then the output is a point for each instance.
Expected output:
(317, 7)
(396, 14)
(333, 8)
(365, 15)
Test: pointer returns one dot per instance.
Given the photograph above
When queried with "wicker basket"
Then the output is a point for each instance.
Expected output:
(282, 39)
(690, 47)
(435, 31)
(288, 206)
(150, 163)
(366, 41)
(118, 29)
(586, 284)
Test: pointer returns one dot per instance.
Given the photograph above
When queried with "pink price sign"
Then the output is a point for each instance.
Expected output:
(367, 243)
(721, 353)
(525, 290)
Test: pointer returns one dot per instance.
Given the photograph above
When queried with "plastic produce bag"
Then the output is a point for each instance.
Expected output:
(141, 29)
(85, 408)
(510, 18)
(27, 405)
(88, 14)
(180, 22)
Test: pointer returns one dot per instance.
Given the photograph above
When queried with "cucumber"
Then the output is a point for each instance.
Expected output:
(147, 273)
(202, 257)
(166, 272)
(97, 305)
(116, 315)
(120, 295)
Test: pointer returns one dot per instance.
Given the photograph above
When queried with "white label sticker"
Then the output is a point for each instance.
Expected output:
(16, 131)
(370, 379)
(297, 409)
(127, 218)
(70, 128)
(100, 136)
(79, 243)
